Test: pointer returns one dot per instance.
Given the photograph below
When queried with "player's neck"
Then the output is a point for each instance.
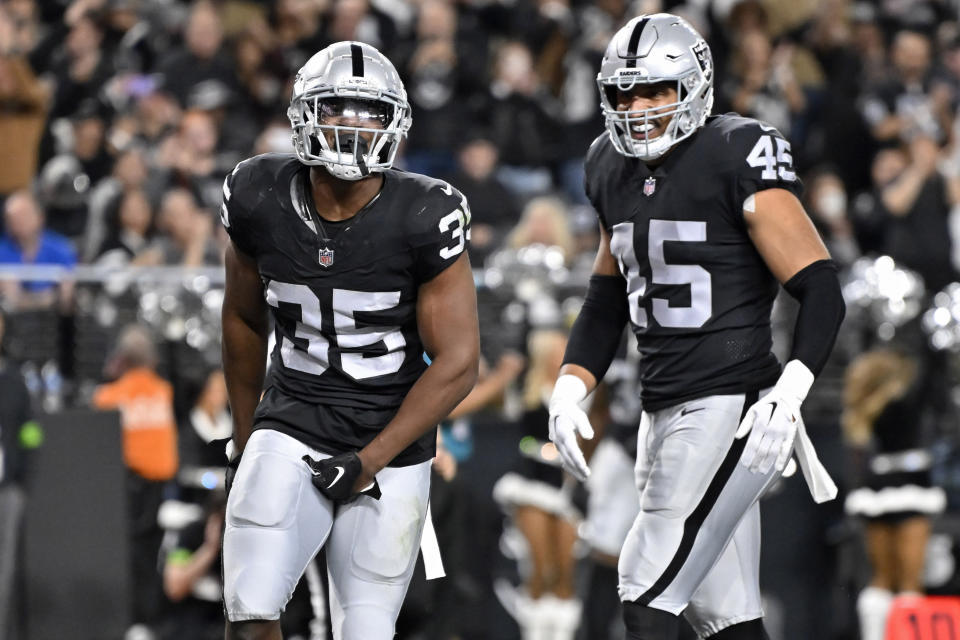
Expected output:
(337, 199)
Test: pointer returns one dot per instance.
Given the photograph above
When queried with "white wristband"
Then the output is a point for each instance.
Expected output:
(796, 379)
(568, 388)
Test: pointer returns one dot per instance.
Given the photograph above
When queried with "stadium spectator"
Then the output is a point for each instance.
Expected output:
(827, 204)
(869, 44)
(494, 209)
(259, 73)
(88, 141)
(104, 222)
(21, 28)
(358, 20)
(295, 24)
(186, 234)
(947, 71)
(23, 104)
(851, 52)
(906, 215)
(522, 122)
(129, 36)
(203, 57)
(65, 179)
(902, 106)
(575, 52)
(157, 116)
(763, 84)
(235, 121)
(544, 222)
(438, 68)
(130, 237)
(193, 159)
(80, 66)
(27, 243)
(145, 402)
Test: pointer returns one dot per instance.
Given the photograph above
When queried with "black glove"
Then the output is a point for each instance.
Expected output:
(334, 477)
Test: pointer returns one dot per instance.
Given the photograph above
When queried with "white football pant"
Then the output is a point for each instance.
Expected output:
(695, 545)
(277, 521)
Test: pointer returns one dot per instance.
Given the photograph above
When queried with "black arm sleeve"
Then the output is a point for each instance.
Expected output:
(597, 330)
(817, 288)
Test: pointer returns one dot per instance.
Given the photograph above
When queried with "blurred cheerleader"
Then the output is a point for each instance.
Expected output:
(884, 401)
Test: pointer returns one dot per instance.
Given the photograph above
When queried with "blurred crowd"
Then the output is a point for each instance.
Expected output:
(120, 118)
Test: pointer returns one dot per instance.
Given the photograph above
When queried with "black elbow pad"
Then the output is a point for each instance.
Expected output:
(822, 309)
(598, 328)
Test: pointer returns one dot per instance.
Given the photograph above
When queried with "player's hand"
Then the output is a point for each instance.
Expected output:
(567, 420)
(772, 422)
(335, 477)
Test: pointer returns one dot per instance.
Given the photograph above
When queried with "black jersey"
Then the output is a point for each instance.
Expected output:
(343, 295)
(699, 293)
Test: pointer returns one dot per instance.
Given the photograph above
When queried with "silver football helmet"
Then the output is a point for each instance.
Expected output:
(343, 91)
(652, 49)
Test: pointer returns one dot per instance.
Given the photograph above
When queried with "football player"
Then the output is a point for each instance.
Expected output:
(700, 221)
(363, 270)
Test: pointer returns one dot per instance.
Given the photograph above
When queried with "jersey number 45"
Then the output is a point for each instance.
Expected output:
(695, 276)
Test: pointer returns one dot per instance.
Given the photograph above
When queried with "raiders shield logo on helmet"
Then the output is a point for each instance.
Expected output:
(326, 257)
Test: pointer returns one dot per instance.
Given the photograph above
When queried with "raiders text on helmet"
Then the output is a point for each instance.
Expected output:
(353, 83)
(652, 49)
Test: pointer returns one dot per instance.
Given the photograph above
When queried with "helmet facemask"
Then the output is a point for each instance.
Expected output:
(691, 88)
(366, 145)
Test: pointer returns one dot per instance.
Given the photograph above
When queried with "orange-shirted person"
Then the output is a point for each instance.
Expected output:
(145, 402)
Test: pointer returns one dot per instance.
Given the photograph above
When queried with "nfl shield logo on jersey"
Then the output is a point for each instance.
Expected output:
(649, 186)
(326, 257)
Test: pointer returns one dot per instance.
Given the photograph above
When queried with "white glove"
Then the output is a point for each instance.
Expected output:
(790, 469)
(772, 421)
(567, 419)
